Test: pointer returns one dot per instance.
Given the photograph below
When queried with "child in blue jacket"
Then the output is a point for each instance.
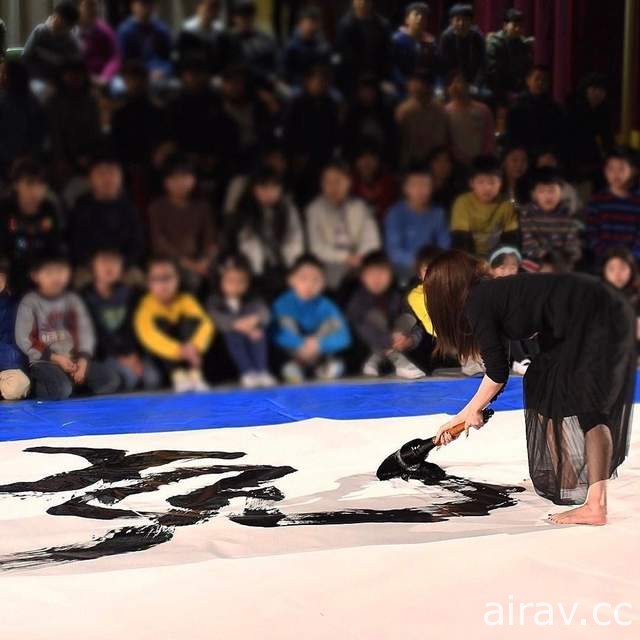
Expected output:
(14, 384)
(308, 326)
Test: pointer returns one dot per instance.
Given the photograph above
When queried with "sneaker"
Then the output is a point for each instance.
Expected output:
(292, 373)
(331, 369)
(265, 379)
(250, 380)
(372, 366)
(197, 381)
(180, 381)
(405, 369)
(521, 367)
(472, 368)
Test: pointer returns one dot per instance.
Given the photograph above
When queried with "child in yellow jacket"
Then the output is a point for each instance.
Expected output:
(173, 327)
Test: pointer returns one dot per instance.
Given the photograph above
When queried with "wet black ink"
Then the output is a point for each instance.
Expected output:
(481, 498)
(119, 541)
(109, 466)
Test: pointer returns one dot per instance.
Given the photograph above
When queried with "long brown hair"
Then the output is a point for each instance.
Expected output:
(447, 283)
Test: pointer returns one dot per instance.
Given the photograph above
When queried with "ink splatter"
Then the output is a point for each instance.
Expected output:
(94, 496)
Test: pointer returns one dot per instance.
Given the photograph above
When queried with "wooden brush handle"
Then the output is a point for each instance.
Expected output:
(455, 431)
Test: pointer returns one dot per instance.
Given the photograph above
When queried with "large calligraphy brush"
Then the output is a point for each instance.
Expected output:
(410, 459)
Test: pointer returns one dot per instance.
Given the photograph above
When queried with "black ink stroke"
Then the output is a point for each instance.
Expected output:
(253, 482)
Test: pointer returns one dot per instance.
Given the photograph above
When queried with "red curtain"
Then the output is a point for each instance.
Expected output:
(573, 37)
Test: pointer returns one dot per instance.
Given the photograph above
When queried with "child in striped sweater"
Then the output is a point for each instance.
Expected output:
(546, 223)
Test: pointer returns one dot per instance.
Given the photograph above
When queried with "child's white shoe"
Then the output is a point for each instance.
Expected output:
(265, 379)
(197, 381)
(250, 380)
(405, 369)
(372, 366)
(331, 369)
(292, 373)
(180, 381)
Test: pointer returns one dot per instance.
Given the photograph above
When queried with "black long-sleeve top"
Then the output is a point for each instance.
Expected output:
(517, 307)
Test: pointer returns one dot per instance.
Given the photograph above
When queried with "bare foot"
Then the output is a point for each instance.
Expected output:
(586, 514)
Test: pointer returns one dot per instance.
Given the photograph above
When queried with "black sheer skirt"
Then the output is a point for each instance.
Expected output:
(578, 398)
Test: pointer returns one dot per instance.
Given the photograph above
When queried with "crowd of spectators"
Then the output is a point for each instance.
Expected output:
(181, 206)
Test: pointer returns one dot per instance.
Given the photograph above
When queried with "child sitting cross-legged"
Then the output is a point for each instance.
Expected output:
(242, 318)
(54, 331)
(373, 310)
(172, 327)
(111, 303)
(308, 326)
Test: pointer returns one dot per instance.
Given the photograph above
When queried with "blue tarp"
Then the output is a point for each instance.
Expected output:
(218, 409)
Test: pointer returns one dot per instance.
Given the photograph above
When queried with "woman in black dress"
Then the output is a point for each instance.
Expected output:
(578, 393)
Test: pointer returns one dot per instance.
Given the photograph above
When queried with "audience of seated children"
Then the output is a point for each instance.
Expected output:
(613, 215)
(181, 225)
(242, 318)
(111, 304)
(413, 223)
(483, 218)
(546, 223)
(29, 221)
(341, 229)
(14, 383)
(373, 310)
(172, 327)
(308, 326)
(54, 331)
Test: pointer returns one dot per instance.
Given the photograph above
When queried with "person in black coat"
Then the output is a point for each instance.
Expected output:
(105, 217)
(369, 120)
(139, 125)
(536, 120)
(590, 125)
(363, 43)
(306, 48)
(462, 46)
(312, 129)
(23, 124)
(198, 124)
